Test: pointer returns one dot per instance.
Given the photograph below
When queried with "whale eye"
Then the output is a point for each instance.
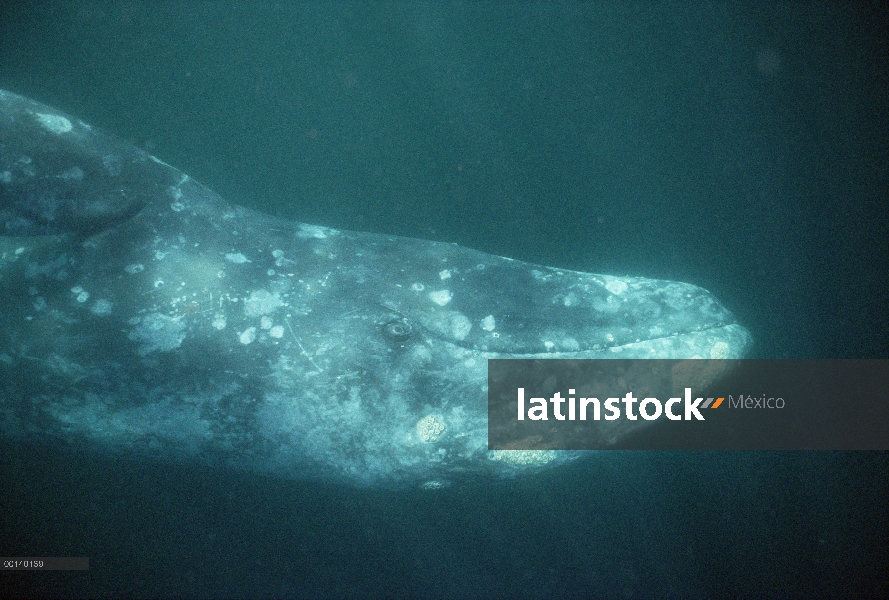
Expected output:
(398, 329)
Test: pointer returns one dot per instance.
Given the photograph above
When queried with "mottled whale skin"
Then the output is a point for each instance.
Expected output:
(141, 313)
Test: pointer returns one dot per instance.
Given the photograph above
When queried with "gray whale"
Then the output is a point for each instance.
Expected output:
(141, 313)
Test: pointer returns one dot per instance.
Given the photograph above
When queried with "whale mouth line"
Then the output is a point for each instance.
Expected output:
(601, 347)
(730, 346)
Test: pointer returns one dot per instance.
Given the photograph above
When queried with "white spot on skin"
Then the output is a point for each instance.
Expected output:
(460, 326)
(616, 287)
(488, 323)
(314, 231)
(134, 268)
(177, 207)
(248, 335)
(262, 302)
(549, 345)
(276, 332)
(430, 428)
(570, 344)
(441, 297)
(445, 274)
(418, 287)
(72, 173)
(236, 257)
(720, 350)
(265, 323)
(219, 322)
(158, 332)
(82, 295)
(280, 261)
(523, 457)
(55, 123)
(102, 307)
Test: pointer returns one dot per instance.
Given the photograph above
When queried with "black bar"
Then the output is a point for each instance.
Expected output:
(51, 563)
(742, 404)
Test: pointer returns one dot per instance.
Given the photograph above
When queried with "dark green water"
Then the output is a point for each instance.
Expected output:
(739, 147)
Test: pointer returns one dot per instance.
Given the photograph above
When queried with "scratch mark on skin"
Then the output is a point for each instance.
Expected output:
(303, 350)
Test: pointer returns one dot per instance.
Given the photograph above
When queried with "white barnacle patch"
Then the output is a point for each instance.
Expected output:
(616, 287)
(55, 123)
(278, 255)
(460, 326)
(523, 458)
(441, 297)
(488, 323)
(720, 350)
(219, 322)
(12, 256)
(134, 268)
(276, 332)
(101, 307)
(430, 428)
(570, 299)
(262, 302)
(157, 332)
(444, 274)
(236, 258)
(80, 294)
(265, 323)
(314, 232)
(248, 335)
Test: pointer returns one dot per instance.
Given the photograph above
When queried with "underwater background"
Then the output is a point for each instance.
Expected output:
(740, 147)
